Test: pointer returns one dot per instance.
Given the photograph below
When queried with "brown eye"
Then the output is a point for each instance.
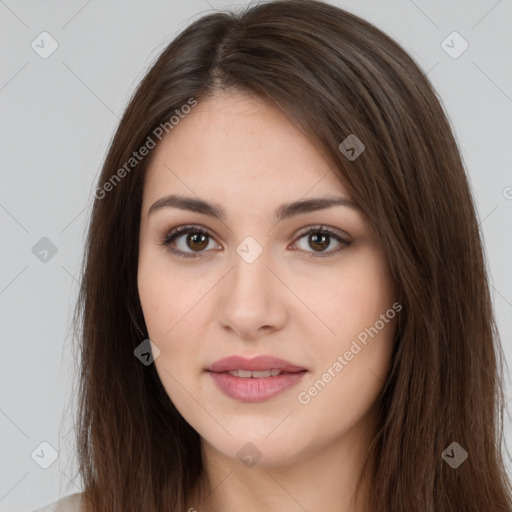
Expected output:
(197, 241)
(319, 239)
(188, 241)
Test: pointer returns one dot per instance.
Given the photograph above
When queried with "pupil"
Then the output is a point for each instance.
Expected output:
(199, 239)
(319, 240)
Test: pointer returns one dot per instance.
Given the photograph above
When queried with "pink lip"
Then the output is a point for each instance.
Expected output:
(253, 389)
(257, 363)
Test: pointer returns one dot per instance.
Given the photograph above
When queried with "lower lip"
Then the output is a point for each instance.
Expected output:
(252, 389)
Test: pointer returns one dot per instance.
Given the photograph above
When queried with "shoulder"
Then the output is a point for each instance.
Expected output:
(71, 503)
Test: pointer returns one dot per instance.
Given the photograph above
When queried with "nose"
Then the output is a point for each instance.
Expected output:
(252, 300)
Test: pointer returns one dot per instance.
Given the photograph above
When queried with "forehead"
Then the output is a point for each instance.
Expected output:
(234, 143)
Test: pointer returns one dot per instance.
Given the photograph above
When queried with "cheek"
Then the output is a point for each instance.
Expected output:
(352, 364)
(174, 309)
(350, 298)
(369, 321)
(169, 327)
(349, 375)
(169, 298)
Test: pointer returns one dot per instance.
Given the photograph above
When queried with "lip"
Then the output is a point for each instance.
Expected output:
(251, 389)
(258, 363)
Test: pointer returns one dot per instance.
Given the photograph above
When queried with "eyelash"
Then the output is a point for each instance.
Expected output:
(168, 238)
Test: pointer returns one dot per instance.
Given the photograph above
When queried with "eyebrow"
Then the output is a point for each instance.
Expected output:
(284, 211)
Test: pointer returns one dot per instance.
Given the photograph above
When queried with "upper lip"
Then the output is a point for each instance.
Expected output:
(258, 363)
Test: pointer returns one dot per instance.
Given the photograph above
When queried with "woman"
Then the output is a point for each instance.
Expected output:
(284, 303)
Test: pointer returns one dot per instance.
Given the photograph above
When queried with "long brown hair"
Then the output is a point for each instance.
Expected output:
(333, 74)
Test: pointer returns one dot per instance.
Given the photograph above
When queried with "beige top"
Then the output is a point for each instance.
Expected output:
(69, 503)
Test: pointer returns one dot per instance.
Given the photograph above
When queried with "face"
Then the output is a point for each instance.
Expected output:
(226, 270)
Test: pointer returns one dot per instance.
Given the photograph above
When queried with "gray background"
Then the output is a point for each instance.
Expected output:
(58, 116)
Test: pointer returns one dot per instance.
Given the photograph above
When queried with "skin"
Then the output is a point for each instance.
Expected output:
(243, 154)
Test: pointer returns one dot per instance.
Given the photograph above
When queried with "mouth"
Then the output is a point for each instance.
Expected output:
(261, 374)
(256, 379)
(255, 365)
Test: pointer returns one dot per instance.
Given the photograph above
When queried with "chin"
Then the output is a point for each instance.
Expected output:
(251, 447)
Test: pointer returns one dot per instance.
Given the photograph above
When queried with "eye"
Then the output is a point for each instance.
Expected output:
(188, 240)
(319, 238)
